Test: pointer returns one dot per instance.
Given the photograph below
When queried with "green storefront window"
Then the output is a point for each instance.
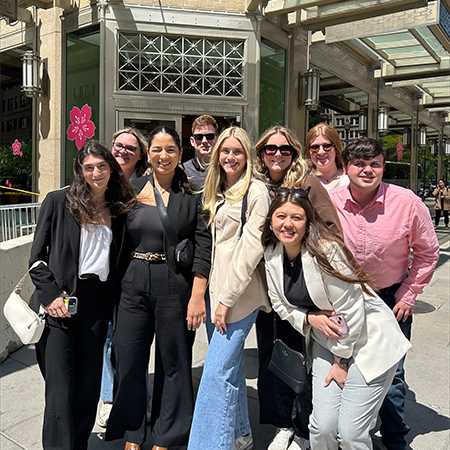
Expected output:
(83, 72)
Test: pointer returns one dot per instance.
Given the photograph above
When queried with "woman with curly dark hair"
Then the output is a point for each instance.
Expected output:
(163, 296)
(75, 256)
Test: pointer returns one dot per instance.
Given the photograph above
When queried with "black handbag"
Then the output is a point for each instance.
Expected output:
(184, 250)
(289, 365)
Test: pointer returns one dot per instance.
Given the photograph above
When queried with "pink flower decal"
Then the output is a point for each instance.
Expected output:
(81, 127)
(16, 148)
(8, 183)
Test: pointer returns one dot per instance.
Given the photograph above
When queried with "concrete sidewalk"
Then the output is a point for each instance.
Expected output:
(427, 374)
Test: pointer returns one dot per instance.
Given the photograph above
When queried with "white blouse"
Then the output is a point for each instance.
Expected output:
(94, 250)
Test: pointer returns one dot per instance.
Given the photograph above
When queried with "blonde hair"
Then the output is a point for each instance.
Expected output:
(297, 170)
(323, 129)
(216, 179)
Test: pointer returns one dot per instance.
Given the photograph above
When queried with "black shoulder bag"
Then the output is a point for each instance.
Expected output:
(184, 250)
(288, 365)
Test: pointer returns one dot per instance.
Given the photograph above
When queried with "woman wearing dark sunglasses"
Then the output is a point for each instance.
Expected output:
(324, 148)
(279, 160)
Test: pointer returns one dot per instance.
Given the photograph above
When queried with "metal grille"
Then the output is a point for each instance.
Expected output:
(180, 65)
(18, 220)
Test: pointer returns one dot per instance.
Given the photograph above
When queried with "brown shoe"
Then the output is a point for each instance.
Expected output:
(131, 446)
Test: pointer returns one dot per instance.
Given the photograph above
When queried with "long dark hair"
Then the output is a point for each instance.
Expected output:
(119, 196)
(180, 179)
(317, 239)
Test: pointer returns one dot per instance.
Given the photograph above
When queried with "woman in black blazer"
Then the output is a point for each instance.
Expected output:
(162, 297)
(76, 249)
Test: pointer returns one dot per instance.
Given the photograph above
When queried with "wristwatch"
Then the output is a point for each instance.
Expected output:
(340, 360)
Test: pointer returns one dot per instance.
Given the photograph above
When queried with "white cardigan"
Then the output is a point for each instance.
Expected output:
(375, 340)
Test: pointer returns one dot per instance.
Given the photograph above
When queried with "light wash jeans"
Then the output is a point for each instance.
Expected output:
(342, 418)
(221, 409)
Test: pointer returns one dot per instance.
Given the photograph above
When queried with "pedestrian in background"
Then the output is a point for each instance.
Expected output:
(78, 239)
(442, 205)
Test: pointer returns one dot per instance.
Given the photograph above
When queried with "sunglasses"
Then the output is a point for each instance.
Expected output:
(208, 136)
(325, 147)
(272, 149)
(302, 193)
(128, 148)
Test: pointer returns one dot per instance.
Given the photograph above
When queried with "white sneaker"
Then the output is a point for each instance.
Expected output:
(103, 413)
(299, 443)
(282, 439)
(244, 442)
(149, 412)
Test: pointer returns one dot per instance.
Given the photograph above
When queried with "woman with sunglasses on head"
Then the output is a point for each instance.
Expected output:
(312, 277)
(324, 148)
(162, 296)
(237, 292)
(279, 160)
(77, 247)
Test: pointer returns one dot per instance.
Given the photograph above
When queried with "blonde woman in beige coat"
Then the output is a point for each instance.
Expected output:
(237, 290)
(442, 195)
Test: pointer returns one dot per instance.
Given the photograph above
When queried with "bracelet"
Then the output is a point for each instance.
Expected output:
(307, 318)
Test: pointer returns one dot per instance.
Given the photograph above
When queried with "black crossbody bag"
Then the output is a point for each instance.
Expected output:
(184, 250)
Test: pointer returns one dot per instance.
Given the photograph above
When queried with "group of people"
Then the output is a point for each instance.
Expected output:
(236, 236)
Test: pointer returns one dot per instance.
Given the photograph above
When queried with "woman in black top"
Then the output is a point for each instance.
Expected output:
(157, 295)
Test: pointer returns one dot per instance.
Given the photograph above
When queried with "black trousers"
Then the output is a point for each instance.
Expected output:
(279, 405)
(150, 305)
(70, 356)
(437, 217)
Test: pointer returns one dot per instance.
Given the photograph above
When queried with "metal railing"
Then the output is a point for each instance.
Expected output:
(18, 220)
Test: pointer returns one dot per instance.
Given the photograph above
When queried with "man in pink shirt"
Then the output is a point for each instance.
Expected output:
(382, 223)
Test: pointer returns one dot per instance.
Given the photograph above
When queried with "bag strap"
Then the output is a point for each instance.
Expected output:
(274, 326)
(244, 211)
(19, 285)
(162, 211)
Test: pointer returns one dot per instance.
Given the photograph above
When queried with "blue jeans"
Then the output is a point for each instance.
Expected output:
(106, 393)
(392, 411)
(221, 409)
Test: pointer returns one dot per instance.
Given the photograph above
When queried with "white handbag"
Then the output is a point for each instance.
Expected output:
(24, 321)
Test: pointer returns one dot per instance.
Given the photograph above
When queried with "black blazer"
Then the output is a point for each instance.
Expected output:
(57, 242)
(187, 220)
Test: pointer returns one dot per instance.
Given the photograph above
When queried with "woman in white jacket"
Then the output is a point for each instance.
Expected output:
(311, 276)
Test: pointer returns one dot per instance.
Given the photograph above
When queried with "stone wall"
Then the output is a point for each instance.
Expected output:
(14, 255)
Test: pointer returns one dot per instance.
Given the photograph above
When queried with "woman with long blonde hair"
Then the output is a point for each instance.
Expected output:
(237, 290)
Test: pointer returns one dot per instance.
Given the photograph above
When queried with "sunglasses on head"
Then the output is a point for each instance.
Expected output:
(283, 191)
(208, 136)
(272, 149)
(326, 147)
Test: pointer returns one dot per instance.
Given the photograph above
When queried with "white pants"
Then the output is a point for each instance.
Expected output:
(343, 417)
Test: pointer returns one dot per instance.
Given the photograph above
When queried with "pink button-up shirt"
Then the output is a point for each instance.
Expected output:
(382, 234)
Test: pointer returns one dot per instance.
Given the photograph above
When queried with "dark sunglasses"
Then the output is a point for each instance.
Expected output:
(208, 136)
(326, 147)
(302, 193)
(272, 149)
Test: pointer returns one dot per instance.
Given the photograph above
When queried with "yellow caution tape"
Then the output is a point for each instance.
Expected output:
(20, 190)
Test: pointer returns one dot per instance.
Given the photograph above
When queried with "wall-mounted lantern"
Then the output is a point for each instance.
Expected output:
(362, 127)
(312, 80)
(407, 138)
(447, 147)
(31, 63)
(434, 147)
(383, 120)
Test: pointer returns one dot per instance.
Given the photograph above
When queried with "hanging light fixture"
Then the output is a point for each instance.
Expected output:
(447, 147)
(30, 72)
(362, 128)
(407, 138)
(312, 77)
(434, 147)
(422, 136)
(383, 120)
